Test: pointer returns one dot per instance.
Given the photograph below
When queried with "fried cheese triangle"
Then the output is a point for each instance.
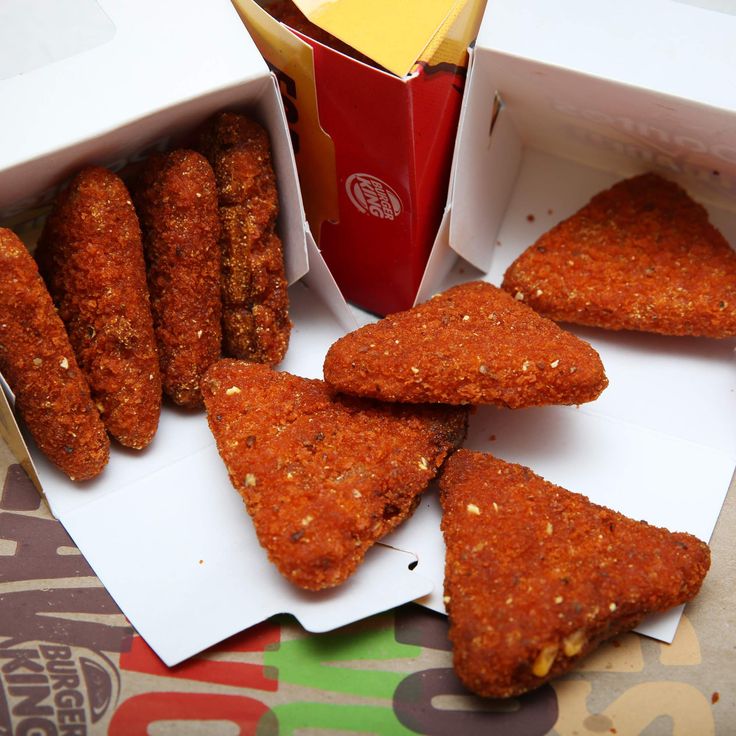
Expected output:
(536, 577)
(641, 255)
(472, 344)
(322, 476)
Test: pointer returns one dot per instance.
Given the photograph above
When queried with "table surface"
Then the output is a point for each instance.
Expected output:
(69, 657)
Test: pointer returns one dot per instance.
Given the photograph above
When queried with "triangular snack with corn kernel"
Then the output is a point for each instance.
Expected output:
(472, 344)
(323, 477)
(536, 577)
(641, 255)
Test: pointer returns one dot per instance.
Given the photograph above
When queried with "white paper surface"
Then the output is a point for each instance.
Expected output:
(173, 544)
(160, 55)
(34, 33)
(671, 47)
(660, 442)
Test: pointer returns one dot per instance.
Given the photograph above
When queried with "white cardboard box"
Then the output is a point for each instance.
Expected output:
(563, 100)
(163, 528)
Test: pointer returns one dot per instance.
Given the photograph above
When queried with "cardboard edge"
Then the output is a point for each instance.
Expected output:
(320, 280)
(11, 433)
(670, 47)
(489, 153)
(486, 161)
(268, 106)
(292, 220)
(105, 148)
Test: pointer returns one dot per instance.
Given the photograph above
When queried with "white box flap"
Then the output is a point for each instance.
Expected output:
(152, 55)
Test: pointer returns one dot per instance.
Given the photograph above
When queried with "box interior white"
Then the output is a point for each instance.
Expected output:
(545, 126)
(165, 531)
(163, 528)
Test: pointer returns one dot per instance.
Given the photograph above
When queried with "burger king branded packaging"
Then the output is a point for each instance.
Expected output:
(372, 94)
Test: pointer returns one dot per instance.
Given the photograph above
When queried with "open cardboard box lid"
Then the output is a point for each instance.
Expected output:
(163, 528)
(563, 100)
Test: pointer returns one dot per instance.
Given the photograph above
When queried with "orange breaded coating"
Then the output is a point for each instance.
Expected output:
(323, 476)
(255, 316)
(472, 344)
(642, 256)
(37, 361)
(176, 200)
(536, 577)
(91, 257)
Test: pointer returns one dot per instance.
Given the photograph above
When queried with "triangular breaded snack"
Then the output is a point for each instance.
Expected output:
(536, 577)
(323, 477)
(472, 344)
(641, 255)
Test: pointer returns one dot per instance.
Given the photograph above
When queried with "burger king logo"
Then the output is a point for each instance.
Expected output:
(372, 196)
(55, 689)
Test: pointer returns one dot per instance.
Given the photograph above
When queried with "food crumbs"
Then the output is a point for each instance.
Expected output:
(550, 528)
(423, 464)
(199, 333)
(414, 370)
(466, 318)
(519, 296)
(307, 520)
(554, 364)
(37, 361)
(538, 292)
(495, 507)
(483, 368)
(250, 480)
(530, 218)
(492, 438)
(64, 363)
(473, 509)
(612, 607)
(232, 390)
(558, 599)
(446, 599)
(573, 644)
(715, 697)
(544, 661)
(357, 493)
(525, 365)
(201, 562)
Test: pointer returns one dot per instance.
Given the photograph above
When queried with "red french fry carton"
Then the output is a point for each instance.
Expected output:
(372, 94)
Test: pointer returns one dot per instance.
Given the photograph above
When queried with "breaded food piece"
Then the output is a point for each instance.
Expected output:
(642, 256)
(255, 300)
(176, 201)
(90, 255)
(472, 344)
(322, 476)
(536, 577)
(37, 361)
